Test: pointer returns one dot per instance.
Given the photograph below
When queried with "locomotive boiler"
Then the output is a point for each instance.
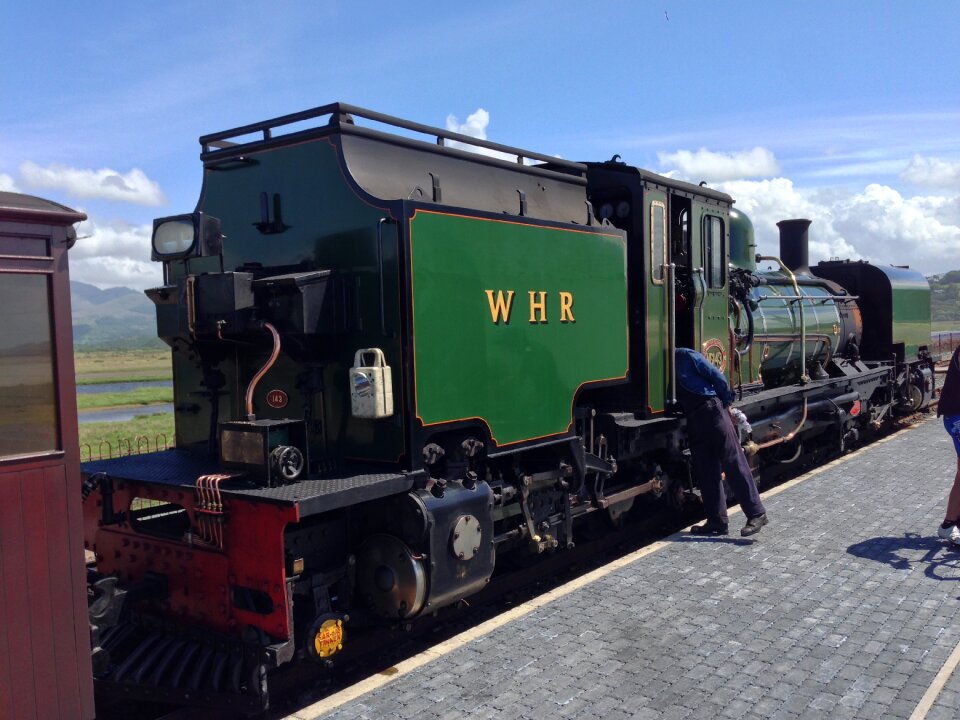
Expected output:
(400, 353)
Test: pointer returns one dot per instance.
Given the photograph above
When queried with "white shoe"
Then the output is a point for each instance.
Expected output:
(951, 533)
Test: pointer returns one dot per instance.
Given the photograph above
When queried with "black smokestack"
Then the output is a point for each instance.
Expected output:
(794, 245)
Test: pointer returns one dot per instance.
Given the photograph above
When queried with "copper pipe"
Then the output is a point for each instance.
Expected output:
(263, 371)
(201, 492)
(752, 448)
(217, 503)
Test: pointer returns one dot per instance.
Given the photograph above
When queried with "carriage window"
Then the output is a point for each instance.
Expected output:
(28, 400)
(714, 251)
(14, 246)
(658, 240)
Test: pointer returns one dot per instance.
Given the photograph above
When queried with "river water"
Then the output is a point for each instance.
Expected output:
(122, 386)
(123, 414)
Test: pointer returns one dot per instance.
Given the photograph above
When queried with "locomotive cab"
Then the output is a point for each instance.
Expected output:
(678, 237)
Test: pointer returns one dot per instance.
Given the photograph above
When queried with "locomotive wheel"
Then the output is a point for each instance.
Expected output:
(914, 396)
(911, 392)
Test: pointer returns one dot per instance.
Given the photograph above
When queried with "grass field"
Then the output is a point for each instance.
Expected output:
(95, 367)
(140, 396)
(945, 325)
(106, 438)
(120, 437)
(101, 379)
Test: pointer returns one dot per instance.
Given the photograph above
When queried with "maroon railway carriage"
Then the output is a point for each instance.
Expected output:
(44, 632)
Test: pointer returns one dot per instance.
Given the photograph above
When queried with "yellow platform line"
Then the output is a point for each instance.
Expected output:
(405, 667)
(930, 696)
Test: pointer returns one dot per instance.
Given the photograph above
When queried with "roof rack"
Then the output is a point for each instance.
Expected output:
(341, 116)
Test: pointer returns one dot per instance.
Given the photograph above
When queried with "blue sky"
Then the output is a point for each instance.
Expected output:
(844, 112)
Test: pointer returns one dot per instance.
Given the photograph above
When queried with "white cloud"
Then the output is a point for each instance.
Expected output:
(766, 202)
(834, 169)
(133, 187)
(115, 253)
(7, 184)
(877, 224)
(946, 210)
(902, 230)
(932, 172)
(717, 167)
(475, 126)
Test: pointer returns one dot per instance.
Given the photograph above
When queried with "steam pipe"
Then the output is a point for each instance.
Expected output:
(263, 371)
(822, 298)
(750, 327)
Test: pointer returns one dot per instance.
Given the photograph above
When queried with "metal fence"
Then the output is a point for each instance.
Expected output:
(944, 343)
(125, 446)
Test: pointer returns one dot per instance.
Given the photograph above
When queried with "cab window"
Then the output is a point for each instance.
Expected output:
(714, 251)
(658, 240)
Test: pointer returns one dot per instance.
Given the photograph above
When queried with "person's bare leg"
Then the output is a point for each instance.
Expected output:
(953, 502)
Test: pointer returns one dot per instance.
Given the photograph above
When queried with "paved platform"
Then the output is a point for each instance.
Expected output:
(846, 605)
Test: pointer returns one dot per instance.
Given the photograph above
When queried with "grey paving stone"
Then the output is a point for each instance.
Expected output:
(949, 699)
(902, 708)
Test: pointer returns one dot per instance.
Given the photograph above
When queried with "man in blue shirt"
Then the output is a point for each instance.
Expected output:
(715, 448)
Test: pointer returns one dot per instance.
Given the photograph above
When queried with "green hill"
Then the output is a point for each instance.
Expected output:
(945, 297)
(112, 319)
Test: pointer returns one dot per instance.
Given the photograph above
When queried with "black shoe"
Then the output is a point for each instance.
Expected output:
(710, 527)
(753, 525)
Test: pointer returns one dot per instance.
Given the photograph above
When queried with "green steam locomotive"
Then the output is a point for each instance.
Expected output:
(400, 353)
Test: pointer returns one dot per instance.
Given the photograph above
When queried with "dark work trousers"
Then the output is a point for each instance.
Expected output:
(715, 447)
